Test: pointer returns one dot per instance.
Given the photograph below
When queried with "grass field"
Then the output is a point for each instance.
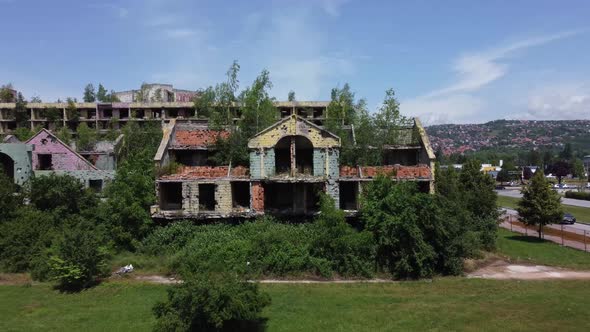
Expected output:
(443, 304)
(582, 214)
(520, 248)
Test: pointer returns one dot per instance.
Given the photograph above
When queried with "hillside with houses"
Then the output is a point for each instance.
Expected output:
(506, 134)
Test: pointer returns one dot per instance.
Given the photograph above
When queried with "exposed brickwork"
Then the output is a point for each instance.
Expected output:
(206, 172)
(399, 172)
(197, 137)
(349, 172)
(257, 196)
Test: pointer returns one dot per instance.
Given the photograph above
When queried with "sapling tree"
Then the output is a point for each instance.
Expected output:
(540, 205)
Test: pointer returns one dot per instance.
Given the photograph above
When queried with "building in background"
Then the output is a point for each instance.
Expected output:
(156, 92)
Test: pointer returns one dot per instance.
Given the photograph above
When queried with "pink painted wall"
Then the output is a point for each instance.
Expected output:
(62, 157)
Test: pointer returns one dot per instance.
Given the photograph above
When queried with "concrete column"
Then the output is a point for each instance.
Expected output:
(293, 157)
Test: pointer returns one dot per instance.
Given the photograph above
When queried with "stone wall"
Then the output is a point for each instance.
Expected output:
(223, 197)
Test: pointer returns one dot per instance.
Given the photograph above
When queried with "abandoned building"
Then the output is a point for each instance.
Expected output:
(157, 92)
(113, 116)
(289, 163)
(45, 154)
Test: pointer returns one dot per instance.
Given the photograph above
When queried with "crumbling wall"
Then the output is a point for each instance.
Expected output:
(319, 162)
(257, 196)
(269, 162)
(255, 164)
(21, 156)
(63, 158)
(333, 163)
(190, 197)
(223, 197)
(333, 190)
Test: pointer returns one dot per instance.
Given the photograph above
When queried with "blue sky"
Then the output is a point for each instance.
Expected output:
(449, 61)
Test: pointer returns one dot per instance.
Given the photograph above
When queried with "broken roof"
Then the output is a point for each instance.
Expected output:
(418, 172)
(188, 136)
(208, 172)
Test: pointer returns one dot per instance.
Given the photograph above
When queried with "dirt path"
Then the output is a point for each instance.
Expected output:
(503, 270)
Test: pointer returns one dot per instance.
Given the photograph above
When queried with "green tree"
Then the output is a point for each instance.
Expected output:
(10, 200)
(64, 135)
(567, 153)
(390, 123)
(24, 237)
(578, 169)
(143, 94)
(63, 194)
(258, 110)
(35, 99)
(86, 137)
(89, 94)
(112, 97)
(204, 103)
(78, 256)
(20, 110)
(391, 212)
(71, 111)
(6, 94)
(101, 94)
(291, 96)
(211, 303)
(341, 109)
(350, 252)
(540, 205)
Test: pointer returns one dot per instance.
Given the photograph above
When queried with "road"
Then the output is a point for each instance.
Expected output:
(566, 201)
(577, 226)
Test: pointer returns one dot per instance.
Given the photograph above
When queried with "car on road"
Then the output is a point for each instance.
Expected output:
(568, 218)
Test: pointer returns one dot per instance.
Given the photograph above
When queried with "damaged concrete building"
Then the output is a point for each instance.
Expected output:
(45, 154)
(289, 163)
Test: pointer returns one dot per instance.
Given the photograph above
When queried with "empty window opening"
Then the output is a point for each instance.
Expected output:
(318, 112)
(124, 114)
(303, 155)
(349, 195)
(45, 162)
(107, 114)
(139, 114)
(172, 113)
(95, 185)
(406, 157)
(157, 114)
(91, 114)
(283, 155)
(7, 165)
(424, 187)
(192, 157)
(240, 193)
(171, 195)
(206, 197)
(292, 198)
(11, 125)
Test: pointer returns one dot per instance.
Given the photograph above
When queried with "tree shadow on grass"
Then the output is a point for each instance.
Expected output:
(527, 239)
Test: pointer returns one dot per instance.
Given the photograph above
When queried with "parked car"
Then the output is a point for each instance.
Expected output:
(568, 218)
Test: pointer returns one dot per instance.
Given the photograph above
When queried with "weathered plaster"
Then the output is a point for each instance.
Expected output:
(22, 156)
(292, 126)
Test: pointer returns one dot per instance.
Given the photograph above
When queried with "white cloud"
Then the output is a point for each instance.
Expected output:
(473, 71)
(458, 108)
(564, 101)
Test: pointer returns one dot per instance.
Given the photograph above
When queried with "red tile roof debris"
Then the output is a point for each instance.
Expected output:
(198, 137)
(347, 171)
(207, 172)
(397, 171)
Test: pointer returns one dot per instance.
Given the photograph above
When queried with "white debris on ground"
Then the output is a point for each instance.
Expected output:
(502, 270)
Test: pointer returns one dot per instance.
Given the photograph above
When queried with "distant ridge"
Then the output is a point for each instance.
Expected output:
(506, 134)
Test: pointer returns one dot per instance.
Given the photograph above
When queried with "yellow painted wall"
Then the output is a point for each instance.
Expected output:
(290, 127)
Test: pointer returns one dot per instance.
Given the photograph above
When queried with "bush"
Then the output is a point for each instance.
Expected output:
(63, 194)
(211, 302)
(10, 200)
(578, 195)
(24, 238)
(78, 256)
(350, 252)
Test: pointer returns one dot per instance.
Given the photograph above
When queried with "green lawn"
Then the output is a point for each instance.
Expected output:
(530, 249)
(444, 304)
(582, 214)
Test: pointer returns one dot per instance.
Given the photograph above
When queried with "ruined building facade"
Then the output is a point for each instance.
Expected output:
(289, 163)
